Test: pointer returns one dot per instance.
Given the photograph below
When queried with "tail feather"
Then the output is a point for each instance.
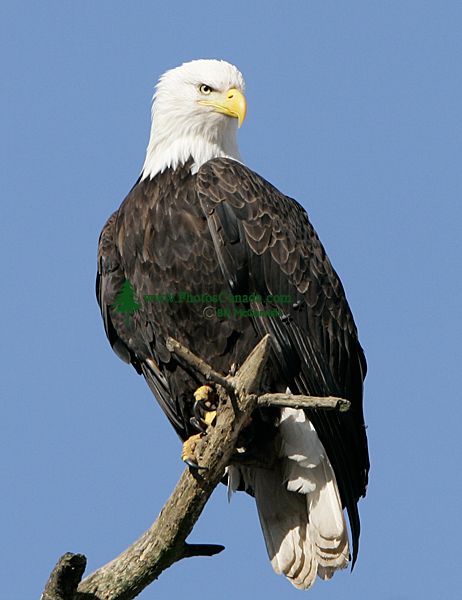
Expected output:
(283, 517)
(327, 522)
(299, 505)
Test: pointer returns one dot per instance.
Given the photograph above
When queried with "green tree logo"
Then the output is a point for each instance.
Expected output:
(125, 302)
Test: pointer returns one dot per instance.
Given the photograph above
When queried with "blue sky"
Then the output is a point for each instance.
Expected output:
(355, 110)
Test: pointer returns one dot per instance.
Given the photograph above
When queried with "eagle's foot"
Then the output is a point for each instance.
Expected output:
(205, 412)
(187, 454)
(204, 408)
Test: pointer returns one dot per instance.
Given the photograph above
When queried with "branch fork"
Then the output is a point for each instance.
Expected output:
(164, 543)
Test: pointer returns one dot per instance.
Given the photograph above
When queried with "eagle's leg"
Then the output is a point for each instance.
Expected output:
(205, 412)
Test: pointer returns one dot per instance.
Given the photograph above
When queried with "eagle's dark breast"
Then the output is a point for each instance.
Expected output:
(165, 250)
(225, 229)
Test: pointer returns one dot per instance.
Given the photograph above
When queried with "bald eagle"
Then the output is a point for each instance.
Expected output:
(206, 251)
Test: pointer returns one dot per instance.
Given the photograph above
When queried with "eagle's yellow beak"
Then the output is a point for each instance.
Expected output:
(231, 103)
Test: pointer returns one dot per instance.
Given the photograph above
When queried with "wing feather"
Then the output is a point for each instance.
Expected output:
(266, 244)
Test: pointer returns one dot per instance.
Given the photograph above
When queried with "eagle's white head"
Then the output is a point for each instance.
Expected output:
(196, 111)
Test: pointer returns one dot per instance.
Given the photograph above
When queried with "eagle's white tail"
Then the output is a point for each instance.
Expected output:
(299, 505)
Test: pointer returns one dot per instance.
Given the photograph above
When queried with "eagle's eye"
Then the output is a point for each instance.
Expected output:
(205, 89)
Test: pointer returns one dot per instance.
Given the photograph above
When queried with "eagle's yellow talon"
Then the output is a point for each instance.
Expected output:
(204, 409)
(203, 393)
(209, 417)
(187, 454)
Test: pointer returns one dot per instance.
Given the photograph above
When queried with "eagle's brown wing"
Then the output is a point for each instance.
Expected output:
(265, 244)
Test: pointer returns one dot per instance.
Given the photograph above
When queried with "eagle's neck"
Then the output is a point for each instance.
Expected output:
(173, 148)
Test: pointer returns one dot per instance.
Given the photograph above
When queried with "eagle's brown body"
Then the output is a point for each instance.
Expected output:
(226, 230)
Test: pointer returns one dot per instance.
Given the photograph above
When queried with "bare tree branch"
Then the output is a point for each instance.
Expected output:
(164, 543)
(65, 577)
(197, 364)
(324, 402)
